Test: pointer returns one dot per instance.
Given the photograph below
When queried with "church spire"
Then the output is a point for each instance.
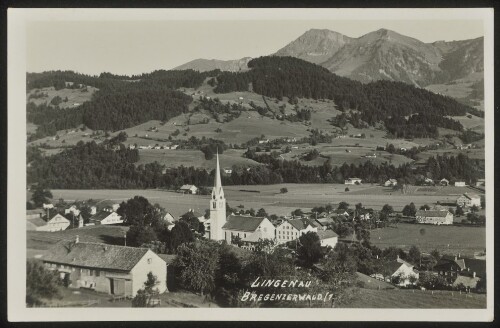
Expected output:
(218, 183)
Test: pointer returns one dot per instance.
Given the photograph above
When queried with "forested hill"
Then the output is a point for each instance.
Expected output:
(280, 77)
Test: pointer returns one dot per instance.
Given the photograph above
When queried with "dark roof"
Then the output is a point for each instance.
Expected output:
(393, 266)
(95, 255)
(325, 234)
(448, 259)
(38, 222)
(168, 258)
(471, 196)
(100, 216)
(432, 213)
(477, 266)
(301, 223)
(242, 223)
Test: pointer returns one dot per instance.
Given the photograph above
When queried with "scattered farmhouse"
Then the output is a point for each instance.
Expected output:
(291, 229)
(352, 181)
(401, 273)
(457, 270)
(391, 183)
(228, 171)
(459, 184)
(54, 222)
(428, 182)
(169, 217)
(115, 270)
(106, 217)
(469, 200)
(444, 182)
(248, 228)
(328, 237)
(434, 217)
(189, 189)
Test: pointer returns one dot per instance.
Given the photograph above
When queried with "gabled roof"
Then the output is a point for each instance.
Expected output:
(95, 255)
(301, 224)
(187, 187)
(242, 223)
(393, 266)
(471, 196)
(325, 234)
(38, 222)
(477, 266)
(100, 216)
(168, 258)
(432, 213)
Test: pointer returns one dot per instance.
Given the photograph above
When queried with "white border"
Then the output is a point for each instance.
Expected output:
(16, 194)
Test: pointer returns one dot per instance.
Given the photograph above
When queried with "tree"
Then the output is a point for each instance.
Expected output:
(343, 206)
(309, 251)
(228, 277)
(283, 190)
(180, 234)
(41, 196)
(410, 210)
(261, 213)
(297, 212)
(459, 211)
(425, 207)
(40, 283)
(147, 293)
(198, 264)
(414, 255)
(140, 234)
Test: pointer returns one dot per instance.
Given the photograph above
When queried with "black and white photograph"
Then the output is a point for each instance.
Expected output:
(329, 164)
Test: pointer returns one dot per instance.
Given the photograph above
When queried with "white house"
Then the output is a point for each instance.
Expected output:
(352, 181)
(444, 182)
(459, 184)
(328, 237)
(391, 183)
(469, 200)
(72, 209)
(55, 222)
(480, 183)
(115, 270)
(228, 171)
(291, 229)
(248, 228)
(189, 189)
(401, 272)
(105, 217)
(437, 217)
(169, 217)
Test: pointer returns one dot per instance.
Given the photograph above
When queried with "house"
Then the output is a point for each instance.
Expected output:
(291, 229)
(263, 141)
(174, 147)
(401, 273)
(54, 222)
(189, 189)
(459, 184)
(352, 181)
(115, 270)
(434, 217)
(169, 217)
(328, 237)
(480, 183)
(322, 223)
(72, 209)
(469, 200)
(391, 183)
(428, 182)
(444, 182)
(34, 214)
(248, 228)
(106, 217)
(458, 270)
(228, 171)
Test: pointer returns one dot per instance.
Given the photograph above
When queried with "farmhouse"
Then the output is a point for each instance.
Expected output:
(469, 200)
(391, 183)
(228, 171)
(72, 209)
(444, 182)
(115, 270)
(352, 181)
(291, 229)
(434, 217)
(428, 182)
(189, 189)
(106, 217)
(248, 228)
(328, 237)
(169, 217)
(401, 273)
(456, 270)
(459, 184)
(55, 222)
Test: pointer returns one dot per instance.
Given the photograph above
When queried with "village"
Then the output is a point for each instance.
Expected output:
(120, 270)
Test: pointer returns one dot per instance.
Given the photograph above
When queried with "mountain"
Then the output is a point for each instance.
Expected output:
(204, 65)
(315, 46)
(387, 55)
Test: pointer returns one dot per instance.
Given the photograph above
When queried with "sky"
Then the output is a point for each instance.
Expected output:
(135, 47)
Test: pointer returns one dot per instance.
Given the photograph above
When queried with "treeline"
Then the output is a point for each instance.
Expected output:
(221, 112)
(420, 125)
(291, 77)
(98, 166)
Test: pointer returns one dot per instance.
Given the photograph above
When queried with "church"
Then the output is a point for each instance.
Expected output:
(222, 227)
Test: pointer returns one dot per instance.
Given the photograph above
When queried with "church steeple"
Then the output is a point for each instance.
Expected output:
(217, 207)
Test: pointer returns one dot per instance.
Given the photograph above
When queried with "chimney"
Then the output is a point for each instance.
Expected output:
(455, 257)
(77, 239)
(458, 255)
(474, 274)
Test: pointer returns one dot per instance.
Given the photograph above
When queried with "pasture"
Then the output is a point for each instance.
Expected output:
(75, 96)
(405, 298)
(303, 196)
(446, 239)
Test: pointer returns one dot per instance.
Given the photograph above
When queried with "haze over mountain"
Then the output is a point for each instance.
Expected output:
(204, 65)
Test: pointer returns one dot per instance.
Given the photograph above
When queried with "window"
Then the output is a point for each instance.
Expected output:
(214, 205)
(97, 273)
(245, 235)
(150, 260)
(91, 272)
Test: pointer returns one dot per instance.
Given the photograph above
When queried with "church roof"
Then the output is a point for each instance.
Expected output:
(242, 223)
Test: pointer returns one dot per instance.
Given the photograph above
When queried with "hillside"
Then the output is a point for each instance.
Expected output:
(204, 65)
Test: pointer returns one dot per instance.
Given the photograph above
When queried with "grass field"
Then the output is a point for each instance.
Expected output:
(402, 298)
(75, 96)
(303, 196)
(446, 239)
